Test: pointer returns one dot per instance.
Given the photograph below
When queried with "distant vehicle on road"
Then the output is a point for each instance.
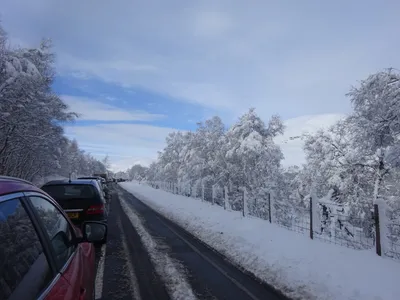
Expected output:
(102, 175)
(80, 199)
(99, 179)
(43, 255)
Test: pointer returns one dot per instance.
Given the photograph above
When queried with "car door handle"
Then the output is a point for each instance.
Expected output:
(82, 295)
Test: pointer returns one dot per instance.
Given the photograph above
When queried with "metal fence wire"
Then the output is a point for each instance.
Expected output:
(341, 229)
(331, 223)
(393, 240)
(299, 223)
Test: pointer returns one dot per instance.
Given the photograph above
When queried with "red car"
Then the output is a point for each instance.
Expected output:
(42, 254)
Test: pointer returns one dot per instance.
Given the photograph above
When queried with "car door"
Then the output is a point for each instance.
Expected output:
(74, 262)
(26, 270)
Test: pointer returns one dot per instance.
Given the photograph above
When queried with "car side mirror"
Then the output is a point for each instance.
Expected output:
(94, 232)
(59, 242)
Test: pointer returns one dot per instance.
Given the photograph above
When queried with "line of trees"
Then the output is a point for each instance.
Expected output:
(354, 164)
(32, 140)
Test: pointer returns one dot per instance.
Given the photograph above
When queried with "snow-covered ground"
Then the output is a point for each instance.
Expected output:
(300, 267)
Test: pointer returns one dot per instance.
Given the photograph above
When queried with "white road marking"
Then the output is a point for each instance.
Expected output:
(100, 273)
(132, 275)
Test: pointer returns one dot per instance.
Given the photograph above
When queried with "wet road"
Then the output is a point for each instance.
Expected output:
(127, 270)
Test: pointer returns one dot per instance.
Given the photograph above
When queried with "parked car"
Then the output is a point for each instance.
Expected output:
(97, 178)
(101, 181)
(80, 199)
(103, 188)
(101, 175)
(42, 254)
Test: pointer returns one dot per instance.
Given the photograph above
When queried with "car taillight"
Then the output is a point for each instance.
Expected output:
(95, 209)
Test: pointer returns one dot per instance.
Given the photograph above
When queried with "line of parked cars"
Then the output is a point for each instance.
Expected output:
(48, 235)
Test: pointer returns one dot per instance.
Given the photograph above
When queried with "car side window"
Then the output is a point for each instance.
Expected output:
(57, 228)
(24, 269)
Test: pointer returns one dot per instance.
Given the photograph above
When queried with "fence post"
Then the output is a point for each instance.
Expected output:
(243, 202)
(269, 208)
(311, 219)
(202, 191)
(225, 196)
(212, 194)
(377, 230)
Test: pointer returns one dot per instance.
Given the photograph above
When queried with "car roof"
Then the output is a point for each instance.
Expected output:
(89, 177)
(74, 182)
(10, 185)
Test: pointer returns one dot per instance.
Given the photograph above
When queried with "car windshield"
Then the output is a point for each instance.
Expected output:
(70, 191)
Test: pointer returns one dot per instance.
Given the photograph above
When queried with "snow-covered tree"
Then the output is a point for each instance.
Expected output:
(252, 158)
(375, 123)
(32, 141)
(356, 162)
(137, 172)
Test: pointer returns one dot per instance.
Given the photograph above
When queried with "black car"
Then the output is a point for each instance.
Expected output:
(80, 199)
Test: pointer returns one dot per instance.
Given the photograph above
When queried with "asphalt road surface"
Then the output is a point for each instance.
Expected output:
(125, 269)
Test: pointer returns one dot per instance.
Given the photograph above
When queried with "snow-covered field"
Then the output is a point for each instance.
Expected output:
(300, 267)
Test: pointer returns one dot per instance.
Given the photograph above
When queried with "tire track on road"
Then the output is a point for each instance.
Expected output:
(116, 277)
(169, 271)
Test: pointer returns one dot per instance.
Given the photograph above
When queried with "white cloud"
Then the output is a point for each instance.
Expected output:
(90, 109)
(126, 144)
(292, 59)
(293, 148)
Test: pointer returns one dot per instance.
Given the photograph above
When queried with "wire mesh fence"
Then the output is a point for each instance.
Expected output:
(328, 222)
(393, 248)
(341, 229)
(298, 223)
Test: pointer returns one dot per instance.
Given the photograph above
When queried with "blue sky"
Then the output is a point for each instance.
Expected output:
(163, 110)
(137, 70)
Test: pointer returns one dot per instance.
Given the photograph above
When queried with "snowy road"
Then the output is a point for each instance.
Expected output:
(128, 271)
(149, 257)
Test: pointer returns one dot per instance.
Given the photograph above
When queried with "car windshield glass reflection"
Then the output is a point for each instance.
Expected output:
(24, 270)
(57, 228)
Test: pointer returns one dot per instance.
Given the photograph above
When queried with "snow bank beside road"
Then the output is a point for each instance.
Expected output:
(300, 267)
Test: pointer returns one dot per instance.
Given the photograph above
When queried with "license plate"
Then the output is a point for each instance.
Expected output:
(73, 215)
